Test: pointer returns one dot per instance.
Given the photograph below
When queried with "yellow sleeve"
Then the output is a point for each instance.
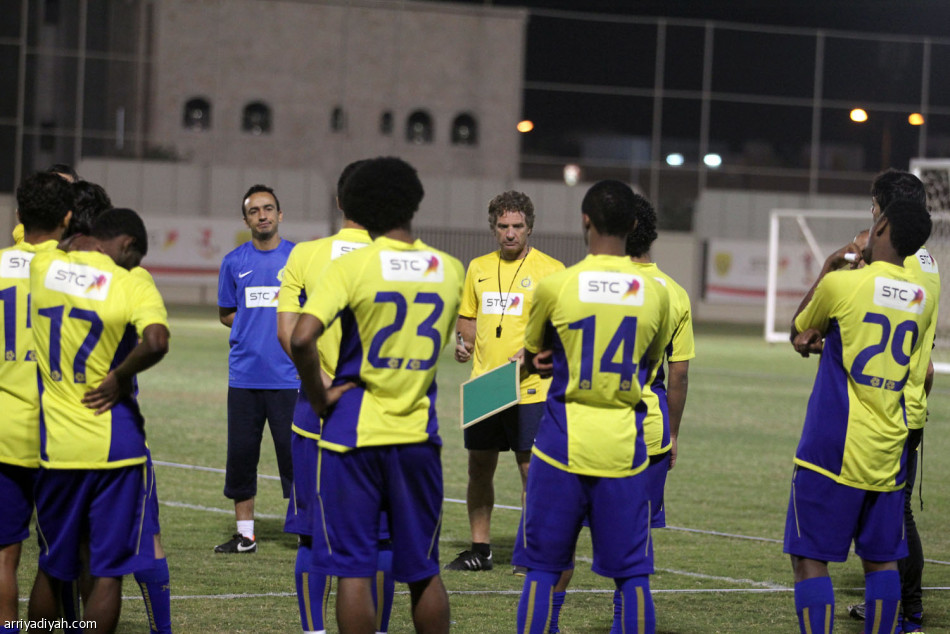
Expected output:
(817, 314)
(148, 307)
(469, 306)
(542, 306)
(683, 346)
(330, 294)
(291, 284)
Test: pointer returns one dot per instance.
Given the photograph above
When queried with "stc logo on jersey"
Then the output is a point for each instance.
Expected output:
(78, 280)
(261, 296)
(604, 287)
(16, 264)
(900, 295)
(411, 266)
(927, 262)
(498, 304)
(342, 247)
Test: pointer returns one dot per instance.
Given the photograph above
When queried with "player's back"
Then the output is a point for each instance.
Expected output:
(19, 395)
(873, 319)
(924, 266)
(396, 303)
(87, 314)
(610, 326)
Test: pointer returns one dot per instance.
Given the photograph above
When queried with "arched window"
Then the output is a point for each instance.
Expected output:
(386, 123)
(197, 114)
(338, 119)
(419, 127)
(256, 118)
(465, 130)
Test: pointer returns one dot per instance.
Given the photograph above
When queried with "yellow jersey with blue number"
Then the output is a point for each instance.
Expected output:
(609, 325)
(681, 347)
(87, 315)
(498, 293)
(924, 266)
(873, 320)
(19, 391)
(397, 304)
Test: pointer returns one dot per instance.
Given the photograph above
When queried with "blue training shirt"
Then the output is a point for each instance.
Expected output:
(250, 282)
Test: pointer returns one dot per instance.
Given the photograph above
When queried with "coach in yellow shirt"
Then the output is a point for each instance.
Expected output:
(497, 294)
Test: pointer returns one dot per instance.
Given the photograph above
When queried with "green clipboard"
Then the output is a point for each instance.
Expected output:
(490, 393)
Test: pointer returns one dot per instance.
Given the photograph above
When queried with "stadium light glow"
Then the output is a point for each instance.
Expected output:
(525, 126)
(572, 174)
(675, 159)
(712, 160)
(859, 115)
(916, 119)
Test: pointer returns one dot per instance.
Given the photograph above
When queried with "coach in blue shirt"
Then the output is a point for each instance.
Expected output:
(262, 383)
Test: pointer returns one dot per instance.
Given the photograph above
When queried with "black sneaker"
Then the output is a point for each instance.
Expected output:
(237, 544)
(520, 571)
(470, 560)
(856, 611)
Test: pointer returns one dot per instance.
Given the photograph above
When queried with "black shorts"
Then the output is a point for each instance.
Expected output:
(247, 411)
(512, 429)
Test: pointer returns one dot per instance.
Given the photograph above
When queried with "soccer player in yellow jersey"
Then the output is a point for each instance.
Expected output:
(496, 298)
(850, 463)
(396, 301)
(304, 267)
(608, 326)
(96, 325)
(44, 203)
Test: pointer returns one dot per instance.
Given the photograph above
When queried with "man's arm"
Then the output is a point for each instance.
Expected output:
(118, 382)
(676, 389)
(834, 262)
(929, 378)
(303, 351)
(226, 315)
(465, 326)
(285, 329)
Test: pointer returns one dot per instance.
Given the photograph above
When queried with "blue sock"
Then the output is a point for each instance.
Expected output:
(72, 608)
(882, 601)
(556, 604)
(815, 605)
(156, 590)
(637, 612)
(386, 585)
(534, 608)
(313, 588)
(10, 630)
(617, 628)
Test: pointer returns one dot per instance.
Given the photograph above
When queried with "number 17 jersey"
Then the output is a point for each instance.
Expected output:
(874, 320)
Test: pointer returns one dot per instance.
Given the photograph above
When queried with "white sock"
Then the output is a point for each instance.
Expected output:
(246, 528)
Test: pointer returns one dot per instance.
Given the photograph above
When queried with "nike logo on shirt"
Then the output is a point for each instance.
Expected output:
(482, 279)
(243, 275)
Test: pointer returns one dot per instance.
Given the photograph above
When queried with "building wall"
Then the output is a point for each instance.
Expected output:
(305, 58)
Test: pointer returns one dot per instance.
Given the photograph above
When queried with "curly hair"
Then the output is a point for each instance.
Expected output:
(897, 185)
(641, 238)
(611, 207)
(43, 200)
(382, 194)
(511, 201)
(121, 222)
(89, 200)
(910, 225)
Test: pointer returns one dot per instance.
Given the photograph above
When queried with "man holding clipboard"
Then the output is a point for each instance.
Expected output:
(496, 297)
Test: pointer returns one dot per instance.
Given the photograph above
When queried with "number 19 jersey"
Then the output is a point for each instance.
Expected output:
(611, 325)
(397, 303)
(874, 320)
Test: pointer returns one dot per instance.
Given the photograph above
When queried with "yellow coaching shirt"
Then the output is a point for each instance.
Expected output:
(397, 304)
(87, 315)
(874, 320)
(610, 326)
(923, 265)
(19, 391)
(499, 292)
(681, 347)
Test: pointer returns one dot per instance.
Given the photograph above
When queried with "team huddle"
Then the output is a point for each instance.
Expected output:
(362, 318)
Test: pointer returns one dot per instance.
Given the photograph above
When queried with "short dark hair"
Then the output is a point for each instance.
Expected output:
(89, 200)
(910, 225)
(382, 194)
(256, 189)
(511, 201)
(894, 185)
(63, 168)
(611, 207)
(43, 200)
(641, 238)
(345, 174)
(121, 222)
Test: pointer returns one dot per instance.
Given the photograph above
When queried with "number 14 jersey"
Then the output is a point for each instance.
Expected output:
(874, 320)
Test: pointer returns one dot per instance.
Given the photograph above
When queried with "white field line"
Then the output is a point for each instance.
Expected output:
(457, 501)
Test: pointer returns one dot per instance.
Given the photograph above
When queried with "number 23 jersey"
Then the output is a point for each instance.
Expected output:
(87, 315)
(855, 427)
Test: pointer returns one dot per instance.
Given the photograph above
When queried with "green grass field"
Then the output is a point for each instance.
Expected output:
(720, 566)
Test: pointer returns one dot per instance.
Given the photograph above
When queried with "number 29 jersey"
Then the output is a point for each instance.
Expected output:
(874, 320)
(396, 303)
(87, 315)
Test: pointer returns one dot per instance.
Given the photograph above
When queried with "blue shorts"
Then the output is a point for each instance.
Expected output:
(105, 507)
(555, 506)
(16, 500)
(656, 483)
(355, 487)
(151, 526)
(512, 429)
(303, 450)
(824, 517)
